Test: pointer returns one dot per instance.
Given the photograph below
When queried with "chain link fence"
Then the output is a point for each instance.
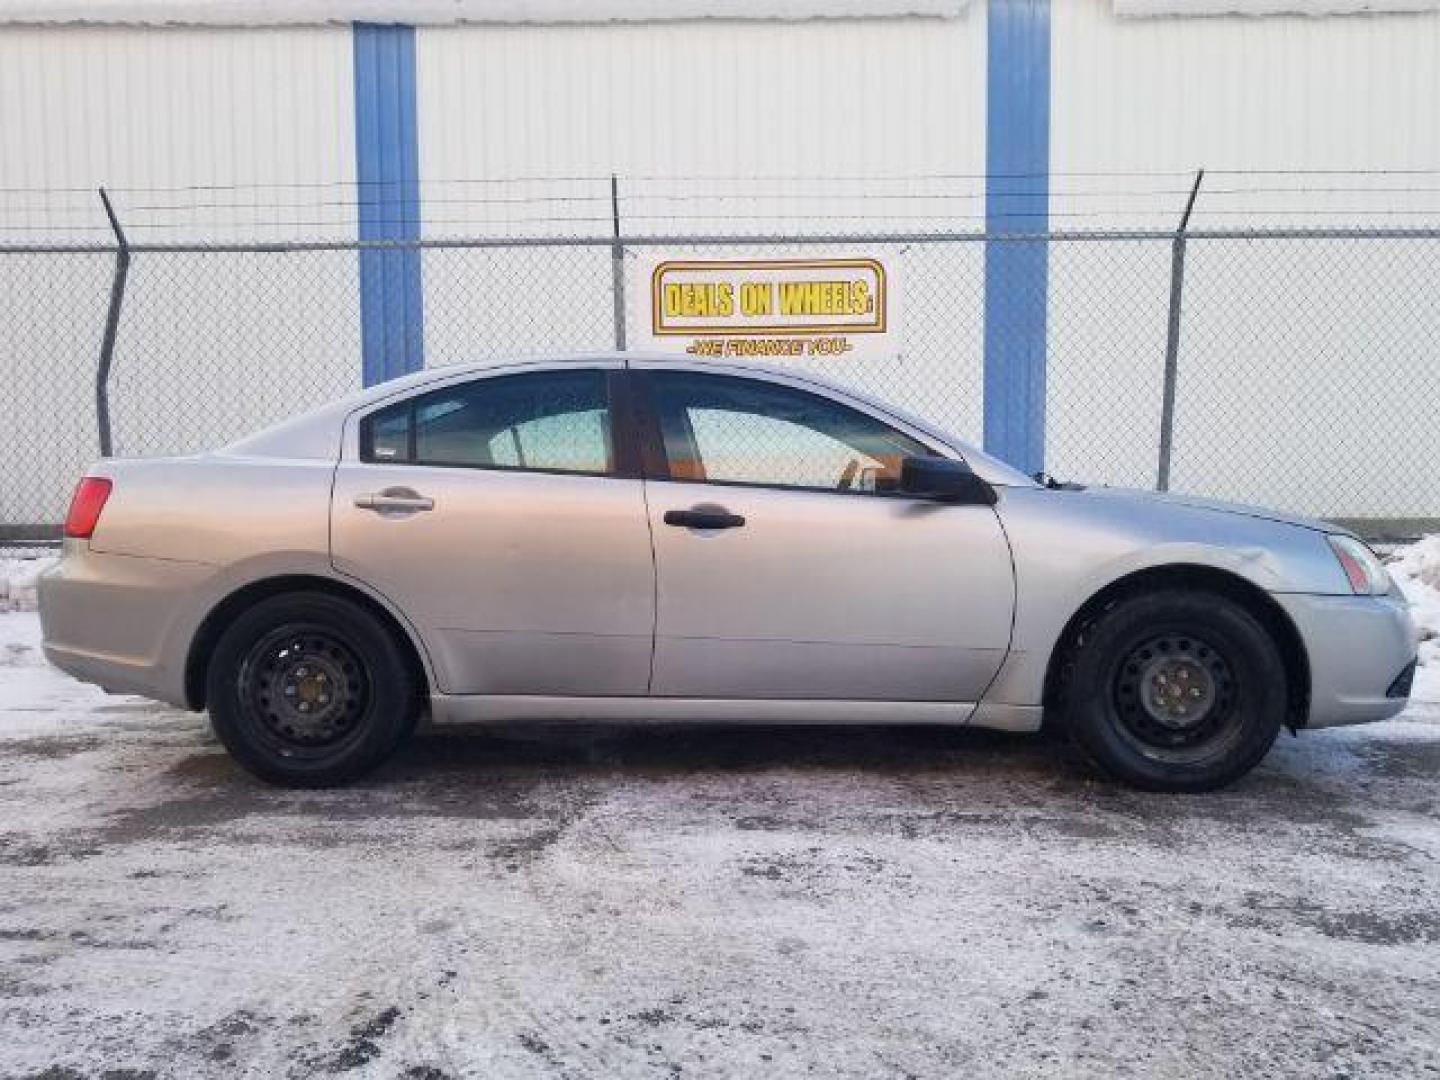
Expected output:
(1304, 366)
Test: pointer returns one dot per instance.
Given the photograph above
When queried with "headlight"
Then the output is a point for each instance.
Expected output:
(1368, 576)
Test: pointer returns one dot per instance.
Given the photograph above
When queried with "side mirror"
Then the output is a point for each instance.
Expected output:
(944, 480)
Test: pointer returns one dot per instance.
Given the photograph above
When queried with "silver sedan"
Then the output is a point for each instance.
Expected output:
(623, 538)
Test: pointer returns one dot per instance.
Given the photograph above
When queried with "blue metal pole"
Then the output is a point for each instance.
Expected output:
(1017, 149)
(387, 159)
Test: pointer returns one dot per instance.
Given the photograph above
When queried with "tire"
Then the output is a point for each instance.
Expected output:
(310, 690)
(1175, 690)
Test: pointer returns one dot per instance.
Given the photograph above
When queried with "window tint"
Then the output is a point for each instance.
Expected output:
(390, 435)
(744, 431)
(552, 421)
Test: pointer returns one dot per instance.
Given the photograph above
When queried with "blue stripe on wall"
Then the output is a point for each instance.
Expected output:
(387, 157)
(1017, 149)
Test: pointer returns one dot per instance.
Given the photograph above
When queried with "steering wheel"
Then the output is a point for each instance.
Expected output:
(848, 476)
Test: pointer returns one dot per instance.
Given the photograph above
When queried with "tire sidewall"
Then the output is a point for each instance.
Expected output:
(389, 715)
(1247, 647)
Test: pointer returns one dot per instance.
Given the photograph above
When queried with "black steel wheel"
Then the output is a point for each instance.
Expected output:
(309, 690)
(307, 685)
(1175, 690)
(1175, 698)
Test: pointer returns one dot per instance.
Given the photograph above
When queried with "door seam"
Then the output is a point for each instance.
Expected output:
(654, 586)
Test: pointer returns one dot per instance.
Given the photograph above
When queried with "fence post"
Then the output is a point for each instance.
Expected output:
(1172, 339)
(617, 265)
(112, 327)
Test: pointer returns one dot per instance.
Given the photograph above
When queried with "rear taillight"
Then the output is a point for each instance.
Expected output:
(85, 506)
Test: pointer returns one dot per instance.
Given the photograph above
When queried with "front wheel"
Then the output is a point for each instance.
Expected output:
(1176, 690)
(310, 690)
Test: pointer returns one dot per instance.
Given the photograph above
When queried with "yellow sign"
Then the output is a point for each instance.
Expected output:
(771, 307)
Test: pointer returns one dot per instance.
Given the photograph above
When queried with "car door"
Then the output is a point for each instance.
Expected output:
(504, 517)
(789, 566)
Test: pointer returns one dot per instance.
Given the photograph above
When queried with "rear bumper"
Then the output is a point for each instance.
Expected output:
(1358, 648)
(110, 619)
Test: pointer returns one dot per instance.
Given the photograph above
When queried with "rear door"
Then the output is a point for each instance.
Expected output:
(788, 566)
(505, 517)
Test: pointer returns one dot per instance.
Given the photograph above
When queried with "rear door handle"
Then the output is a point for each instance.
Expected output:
(401, 502)
(716, 517)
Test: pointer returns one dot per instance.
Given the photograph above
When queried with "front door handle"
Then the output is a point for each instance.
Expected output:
(395, 501)
(704, 517)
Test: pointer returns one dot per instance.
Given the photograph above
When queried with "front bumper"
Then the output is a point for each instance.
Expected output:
(110, 619)
(1358, 648)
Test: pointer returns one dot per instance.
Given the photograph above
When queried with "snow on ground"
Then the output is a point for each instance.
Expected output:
(593, 902)
(1417, 569)
(17, 582)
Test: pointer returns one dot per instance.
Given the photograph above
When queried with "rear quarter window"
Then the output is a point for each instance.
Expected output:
(556, 421)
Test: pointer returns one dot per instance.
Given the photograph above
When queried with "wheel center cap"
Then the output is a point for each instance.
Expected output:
(310, 690)
(1177, 691)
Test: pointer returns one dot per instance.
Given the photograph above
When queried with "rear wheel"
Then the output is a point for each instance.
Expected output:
(310, 690)
(1175, 690)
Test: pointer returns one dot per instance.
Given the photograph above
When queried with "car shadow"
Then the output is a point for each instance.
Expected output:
(688, 748)
(804, 775)
(920, 768)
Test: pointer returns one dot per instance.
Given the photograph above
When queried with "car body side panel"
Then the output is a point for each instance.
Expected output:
(128, 623)
(215, 509)
(176, 537)
(519, 582)
(1357, 646)
(827, 595)
(1069, 545)
(504, 708)
(122, 621)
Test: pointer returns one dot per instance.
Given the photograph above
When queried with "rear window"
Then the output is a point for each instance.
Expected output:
(543, 422)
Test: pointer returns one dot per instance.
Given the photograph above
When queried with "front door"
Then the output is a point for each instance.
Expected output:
(788, 566)
(499, 517)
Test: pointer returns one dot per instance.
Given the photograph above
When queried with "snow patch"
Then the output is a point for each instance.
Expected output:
(441, 12)
(17, 581)
(827, 903)
(1150, 8)
(1416, 569)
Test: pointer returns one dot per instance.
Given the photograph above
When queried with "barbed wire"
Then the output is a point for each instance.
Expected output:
(670, 178)
(927, 199)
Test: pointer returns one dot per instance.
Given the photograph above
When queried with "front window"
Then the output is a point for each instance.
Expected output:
(554, 421)
(732, 430)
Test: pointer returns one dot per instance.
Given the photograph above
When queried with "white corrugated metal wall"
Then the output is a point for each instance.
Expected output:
(147, 108)
(673, 110)
(161, 115)
(1282, 92)
(1283, 347)
(728, 99)
(198, 133)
